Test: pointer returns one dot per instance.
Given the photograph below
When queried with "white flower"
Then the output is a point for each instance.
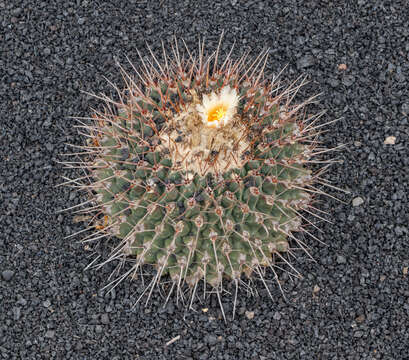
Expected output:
(217, 110)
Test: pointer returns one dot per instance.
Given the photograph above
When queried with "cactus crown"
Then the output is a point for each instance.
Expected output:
(199, 169)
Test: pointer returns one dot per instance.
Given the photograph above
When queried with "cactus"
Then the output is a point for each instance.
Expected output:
(200, 169)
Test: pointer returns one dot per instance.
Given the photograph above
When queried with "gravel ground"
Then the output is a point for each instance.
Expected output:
(353, 302)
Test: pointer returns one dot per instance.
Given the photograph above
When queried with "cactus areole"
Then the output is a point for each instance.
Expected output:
(199, 168)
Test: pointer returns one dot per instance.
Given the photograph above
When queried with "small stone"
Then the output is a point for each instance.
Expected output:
(21, 301)
(316, 289)
(390, 140)
(211, 340)
(342, 67)
(249, 315)
(81, 21)
(277, 316)
(49, 146)
(47, 303)
(170, 309)
(98, 329)
(348, 80)
(405, 270)
(405, 109)
(7, 275)
(94, 319)
(357, 143)
(50, 334)
(305, 62)
(382, 278)
(16, 313)
(105, 319)
(399, 231)
(400, 76)
(17, 11)
(341, 259)
(357, 201)
(333, 82)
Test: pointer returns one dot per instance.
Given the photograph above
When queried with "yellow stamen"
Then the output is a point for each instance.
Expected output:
(217, 113)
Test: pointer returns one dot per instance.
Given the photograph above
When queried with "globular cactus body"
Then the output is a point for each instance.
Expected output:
(199, 168)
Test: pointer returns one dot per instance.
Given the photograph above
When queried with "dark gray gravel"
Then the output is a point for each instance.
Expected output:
(353, 302)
